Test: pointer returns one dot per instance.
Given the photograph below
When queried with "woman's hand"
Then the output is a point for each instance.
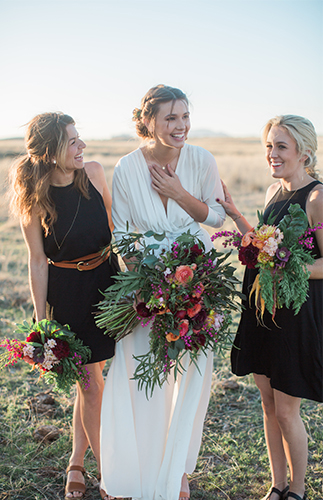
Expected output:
(232, 211)
(228, 205)
(166, 182)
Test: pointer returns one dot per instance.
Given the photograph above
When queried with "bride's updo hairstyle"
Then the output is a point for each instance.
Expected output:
(150, 106)
(303, 132)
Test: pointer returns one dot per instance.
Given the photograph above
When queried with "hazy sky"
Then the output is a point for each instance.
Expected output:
(240, 61)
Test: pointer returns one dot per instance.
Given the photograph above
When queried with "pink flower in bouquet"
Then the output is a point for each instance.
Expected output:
(184, 274)
(183, 327)
(270, 246)
(258, 243)
(193, 311)
(248, 256)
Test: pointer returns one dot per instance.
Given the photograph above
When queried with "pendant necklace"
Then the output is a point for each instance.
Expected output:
(162, 166)
(291, 196)
(69, 230)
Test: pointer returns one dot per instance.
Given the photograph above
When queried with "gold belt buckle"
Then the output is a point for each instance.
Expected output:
(79, 264)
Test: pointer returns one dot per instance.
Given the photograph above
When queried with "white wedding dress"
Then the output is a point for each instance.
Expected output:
(147, 445)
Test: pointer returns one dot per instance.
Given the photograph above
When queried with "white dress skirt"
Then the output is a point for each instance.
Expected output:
(147, 445)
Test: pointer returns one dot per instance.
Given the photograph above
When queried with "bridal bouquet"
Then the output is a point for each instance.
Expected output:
(51, 348)
(280, 253)
(185, 294)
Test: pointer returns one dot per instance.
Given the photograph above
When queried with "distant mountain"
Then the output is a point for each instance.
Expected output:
(206, 133)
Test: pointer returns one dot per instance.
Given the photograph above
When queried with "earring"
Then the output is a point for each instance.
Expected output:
(54, 161)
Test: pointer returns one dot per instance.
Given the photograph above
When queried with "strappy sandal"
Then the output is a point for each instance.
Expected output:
(184, 494)
(297, 497)
(278, 492)
(103, 493)
(72, 486)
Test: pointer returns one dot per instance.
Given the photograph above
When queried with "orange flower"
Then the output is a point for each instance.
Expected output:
(192, 311)
(258, 243)
(170, 337)
(184, 274)
(183, 327)
(247, 238)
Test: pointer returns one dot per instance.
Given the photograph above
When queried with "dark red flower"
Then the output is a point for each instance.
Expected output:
(199, 320)
(143, 310)
(61, 349)
(194, 252)
(34, 337)
(180, 314)
(248, 256)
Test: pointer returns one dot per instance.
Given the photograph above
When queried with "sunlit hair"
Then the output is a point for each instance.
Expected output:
(150, 104)
(46, 141)
(303, 132)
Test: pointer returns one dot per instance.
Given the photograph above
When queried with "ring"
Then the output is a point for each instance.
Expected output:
(163, 168)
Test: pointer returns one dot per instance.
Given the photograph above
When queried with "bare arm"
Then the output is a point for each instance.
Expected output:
(96, 175)
(37, 265)
(232, 211)
(314, 210)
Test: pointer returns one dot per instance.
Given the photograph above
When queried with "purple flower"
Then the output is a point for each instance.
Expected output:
(283, 255)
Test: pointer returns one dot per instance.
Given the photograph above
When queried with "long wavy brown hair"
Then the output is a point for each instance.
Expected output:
(30, 176)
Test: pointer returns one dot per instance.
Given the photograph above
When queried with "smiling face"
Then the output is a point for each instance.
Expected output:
(74, 151)
(171, 124)
(282, 156)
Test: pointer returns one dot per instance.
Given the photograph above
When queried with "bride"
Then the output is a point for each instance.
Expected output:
(149, 446)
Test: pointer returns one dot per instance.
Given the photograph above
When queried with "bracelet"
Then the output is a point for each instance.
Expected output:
(239, 216)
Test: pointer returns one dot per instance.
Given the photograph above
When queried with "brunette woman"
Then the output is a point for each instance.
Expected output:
(64, 206)
(149, 446)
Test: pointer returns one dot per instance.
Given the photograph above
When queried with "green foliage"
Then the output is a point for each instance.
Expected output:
(68, 370)
(164, 295)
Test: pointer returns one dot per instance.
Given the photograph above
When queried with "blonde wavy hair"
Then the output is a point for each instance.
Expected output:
(303, 132)
(30, 176)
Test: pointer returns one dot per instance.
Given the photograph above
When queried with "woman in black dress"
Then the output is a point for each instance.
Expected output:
(286, 360)
(64, 206)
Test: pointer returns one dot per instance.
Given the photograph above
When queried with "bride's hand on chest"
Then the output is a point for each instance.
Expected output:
(165, 181)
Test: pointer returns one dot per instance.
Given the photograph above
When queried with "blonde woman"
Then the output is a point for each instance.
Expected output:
(64, 206)
(286, 358)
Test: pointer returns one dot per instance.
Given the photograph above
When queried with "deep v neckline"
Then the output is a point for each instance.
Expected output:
(165, 208)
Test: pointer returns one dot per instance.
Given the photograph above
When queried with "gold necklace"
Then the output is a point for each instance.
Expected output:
(277, 194)
(160, 163)
(76, 213)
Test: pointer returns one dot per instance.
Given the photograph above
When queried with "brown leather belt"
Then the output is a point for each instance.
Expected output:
(83, 263)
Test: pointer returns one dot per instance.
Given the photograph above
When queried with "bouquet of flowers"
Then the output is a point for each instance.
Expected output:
(186, 295)
(51, 348)
(280, 253)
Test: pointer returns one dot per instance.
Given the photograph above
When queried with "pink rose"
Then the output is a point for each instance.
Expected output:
(184, 274)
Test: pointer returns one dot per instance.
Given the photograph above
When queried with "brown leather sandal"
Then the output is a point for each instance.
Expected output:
(75, 485)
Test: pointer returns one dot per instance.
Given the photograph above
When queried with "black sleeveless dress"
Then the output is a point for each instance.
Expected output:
(72, 294)
(292, 355)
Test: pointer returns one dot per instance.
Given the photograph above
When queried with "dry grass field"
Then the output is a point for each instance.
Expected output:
(233, 463)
